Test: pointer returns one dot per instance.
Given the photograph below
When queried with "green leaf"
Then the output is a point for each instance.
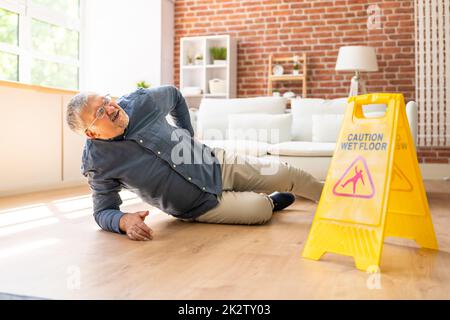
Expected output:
(143, 84)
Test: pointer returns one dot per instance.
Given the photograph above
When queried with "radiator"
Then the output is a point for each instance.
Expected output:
(432, 19)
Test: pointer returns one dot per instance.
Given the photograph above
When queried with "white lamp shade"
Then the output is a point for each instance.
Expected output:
(357, 58)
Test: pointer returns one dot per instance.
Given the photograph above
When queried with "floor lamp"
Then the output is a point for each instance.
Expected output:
(357, 59)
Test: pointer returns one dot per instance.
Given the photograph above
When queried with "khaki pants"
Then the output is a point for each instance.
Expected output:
(246, 181)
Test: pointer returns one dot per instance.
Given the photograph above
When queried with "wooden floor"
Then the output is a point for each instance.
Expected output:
(51, 247)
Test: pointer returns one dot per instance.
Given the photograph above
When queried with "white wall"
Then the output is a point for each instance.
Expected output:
(126, 41)
(37, 149)
(167, 41)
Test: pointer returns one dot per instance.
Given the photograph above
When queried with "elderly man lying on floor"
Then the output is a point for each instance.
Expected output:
(131, 145)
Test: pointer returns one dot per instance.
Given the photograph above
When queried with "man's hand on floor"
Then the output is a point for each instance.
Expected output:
(134, 226)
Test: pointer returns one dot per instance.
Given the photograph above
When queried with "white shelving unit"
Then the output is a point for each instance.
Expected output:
(192, 75)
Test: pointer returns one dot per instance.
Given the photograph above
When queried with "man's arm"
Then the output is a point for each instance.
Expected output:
(106, 201)
(106, 198)
(170, 100)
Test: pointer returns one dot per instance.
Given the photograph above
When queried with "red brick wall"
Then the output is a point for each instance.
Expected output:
(317, 27)
(434, 154)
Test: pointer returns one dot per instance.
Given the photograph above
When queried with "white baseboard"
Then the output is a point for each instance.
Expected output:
(435, 171)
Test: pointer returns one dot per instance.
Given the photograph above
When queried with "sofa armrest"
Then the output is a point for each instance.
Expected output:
(411, 113)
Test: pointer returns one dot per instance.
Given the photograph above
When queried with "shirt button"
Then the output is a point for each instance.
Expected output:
(174, 165)
(204, 188)
(189, 178)
(159, 152)
(141, 141)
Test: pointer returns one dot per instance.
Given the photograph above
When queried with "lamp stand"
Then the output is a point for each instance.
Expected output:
(355, 83)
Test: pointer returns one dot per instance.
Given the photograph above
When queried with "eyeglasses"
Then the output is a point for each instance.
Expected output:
(101, 111)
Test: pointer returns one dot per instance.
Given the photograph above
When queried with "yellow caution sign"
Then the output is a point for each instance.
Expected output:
(373, 189)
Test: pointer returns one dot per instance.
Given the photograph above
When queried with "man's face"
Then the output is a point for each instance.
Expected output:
(103, 125)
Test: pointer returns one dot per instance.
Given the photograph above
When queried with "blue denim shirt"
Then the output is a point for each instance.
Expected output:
(161, 163)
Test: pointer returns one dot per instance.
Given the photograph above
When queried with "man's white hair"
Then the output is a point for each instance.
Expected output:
(74, 108)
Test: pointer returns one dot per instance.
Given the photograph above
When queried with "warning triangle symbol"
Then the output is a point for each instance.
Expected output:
(399, 180)
(356, 182)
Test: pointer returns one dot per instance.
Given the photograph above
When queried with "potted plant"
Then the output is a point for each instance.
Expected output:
(142, 84)
(296, 66)
(219, 55)
(198, 59)
(295, 70)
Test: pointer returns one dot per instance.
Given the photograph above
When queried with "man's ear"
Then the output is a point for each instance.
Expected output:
(90, 134)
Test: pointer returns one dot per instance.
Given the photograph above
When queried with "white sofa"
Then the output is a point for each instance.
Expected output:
(304, 136)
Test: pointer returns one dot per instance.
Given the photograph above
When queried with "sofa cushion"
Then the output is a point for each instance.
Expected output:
(303, 148)
(325, 127)
(244, 147)
(271, 128)
(303, 109)
(212, 116)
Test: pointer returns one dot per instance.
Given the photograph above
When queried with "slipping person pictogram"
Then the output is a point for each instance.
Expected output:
(358, 175)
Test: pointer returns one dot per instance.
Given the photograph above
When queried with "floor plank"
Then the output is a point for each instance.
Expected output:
(50, 247)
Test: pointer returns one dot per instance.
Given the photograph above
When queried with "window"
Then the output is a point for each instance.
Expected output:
(9, 36)
(40, 42)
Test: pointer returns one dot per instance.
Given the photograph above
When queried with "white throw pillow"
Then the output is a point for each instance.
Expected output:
(268, 128)
(325, 127)
(212, 117)
(303, 109)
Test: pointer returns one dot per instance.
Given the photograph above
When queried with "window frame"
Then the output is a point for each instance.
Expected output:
(27, 11)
